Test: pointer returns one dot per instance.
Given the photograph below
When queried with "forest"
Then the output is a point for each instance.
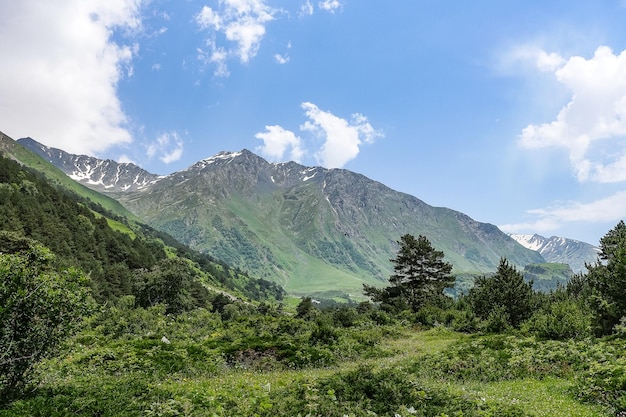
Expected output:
(100, 316)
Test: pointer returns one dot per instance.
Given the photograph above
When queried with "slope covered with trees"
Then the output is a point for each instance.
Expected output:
(111, 250)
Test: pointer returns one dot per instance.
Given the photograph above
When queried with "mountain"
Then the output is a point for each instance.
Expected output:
(309, 228)
(100, 175)
(14, 150)
(313, 230)
(560, 250)
(113, 250)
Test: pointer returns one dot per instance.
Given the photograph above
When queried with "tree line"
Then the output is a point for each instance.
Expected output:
(592, 303)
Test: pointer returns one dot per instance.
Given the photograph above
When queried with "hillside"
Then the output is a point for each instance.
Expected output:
(113, 251)
(14, 150)
(309, 228)
(547, 276)
(313, 230)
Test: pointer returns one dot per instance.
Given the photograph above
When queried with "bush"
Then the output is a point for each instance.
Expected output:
(39, 308)
(564, 320)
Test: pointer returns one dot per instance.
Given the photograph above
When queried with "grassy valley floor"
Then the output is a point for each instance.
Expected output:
(412, 374)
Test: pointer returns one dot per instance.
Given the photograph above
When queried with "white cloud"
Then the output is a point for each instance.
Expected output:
(529, 54)
(330, 5)
(276, 141)
(591, 127)
(168, 147)
(609, 209)
(281, 59)
(241, 22)
(342, 138)
(125, 159)
(61, 69)
(306, 9)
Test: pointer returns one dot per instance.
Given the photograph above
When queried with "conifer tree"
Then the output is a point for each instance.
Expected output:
(505, 292)
(420, 275)
(607, 280)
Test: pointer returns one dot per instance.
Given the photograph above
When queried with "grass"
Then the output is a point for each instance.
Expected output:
(550, 397)
(240, 391)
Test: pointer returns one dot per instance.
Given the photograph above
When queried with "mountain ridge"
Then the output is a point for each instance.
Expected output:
(101, 175)
(557, 249)
(311, 229)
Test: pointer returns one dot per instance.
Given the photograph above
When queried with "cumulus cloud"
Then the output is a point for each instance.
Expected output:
(608, 209)
(591, 127)
(125, 159)
(522, 56)
(276, 142)
(168, 147)
(342, 138)
(61, 70)
(329, 5)
(239, 22)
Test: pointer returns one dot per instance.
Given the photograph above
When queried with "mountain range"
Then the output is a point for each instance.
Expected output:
(560, 250)
(313, 230)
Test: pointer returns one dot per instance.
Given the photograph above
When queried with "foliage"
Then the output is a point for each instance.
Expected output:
(305, 309)
(39, 307)
(502, 299)
(564, 319)
(171, 282)
(79, 233)
(607, 280)
(420, 275)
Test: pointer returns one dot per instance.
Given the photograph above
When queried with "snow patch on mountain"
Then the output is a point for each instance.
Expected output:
(101, 175)
(560, 250)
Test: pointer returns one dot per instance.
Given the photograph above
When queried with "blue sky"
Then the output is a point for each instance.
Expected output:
(511, 112)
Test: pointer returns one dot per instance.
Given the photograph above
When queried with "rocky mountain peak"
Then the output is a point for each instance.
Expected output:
(100, 175)
(560, 250)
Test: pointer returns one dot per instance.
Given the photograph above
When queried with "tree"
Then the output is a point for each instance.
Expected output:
(39, 308)
(172, 282)
(420, 275)
(505, 293)
(306, 310)
(607, 280)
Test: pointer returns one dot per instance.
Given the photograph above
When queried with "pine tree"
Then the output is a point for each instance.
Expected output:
(420, 275)
(607, 280)
(505, 292)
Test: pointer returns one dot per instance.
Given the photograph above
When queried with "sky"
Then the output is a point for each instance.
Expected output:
(512, 112)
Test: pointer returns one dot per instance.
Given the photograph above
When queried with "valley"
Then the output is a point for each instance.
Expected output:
(105, 315)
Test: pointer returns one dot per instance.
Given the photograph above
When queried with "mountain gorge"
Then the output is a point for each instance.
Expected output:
(311, 229)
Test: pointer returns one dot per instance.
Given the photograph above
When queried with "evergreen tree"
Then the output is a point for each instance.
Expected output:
(505, 293)
(607, 280)
(420, 275)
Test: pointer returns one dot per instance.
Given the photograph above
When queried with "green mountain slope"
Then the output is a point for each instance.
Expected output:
(116, 253)
(310, 229)
(11, 149)
(547, 276)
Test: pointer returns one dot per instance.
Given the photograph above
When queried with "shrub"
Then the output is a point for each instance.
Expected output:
(564, 320)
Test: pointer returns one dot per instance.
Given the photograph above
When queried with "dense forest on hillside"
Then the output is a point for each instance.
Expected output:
(100, 316)
(108, 248)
